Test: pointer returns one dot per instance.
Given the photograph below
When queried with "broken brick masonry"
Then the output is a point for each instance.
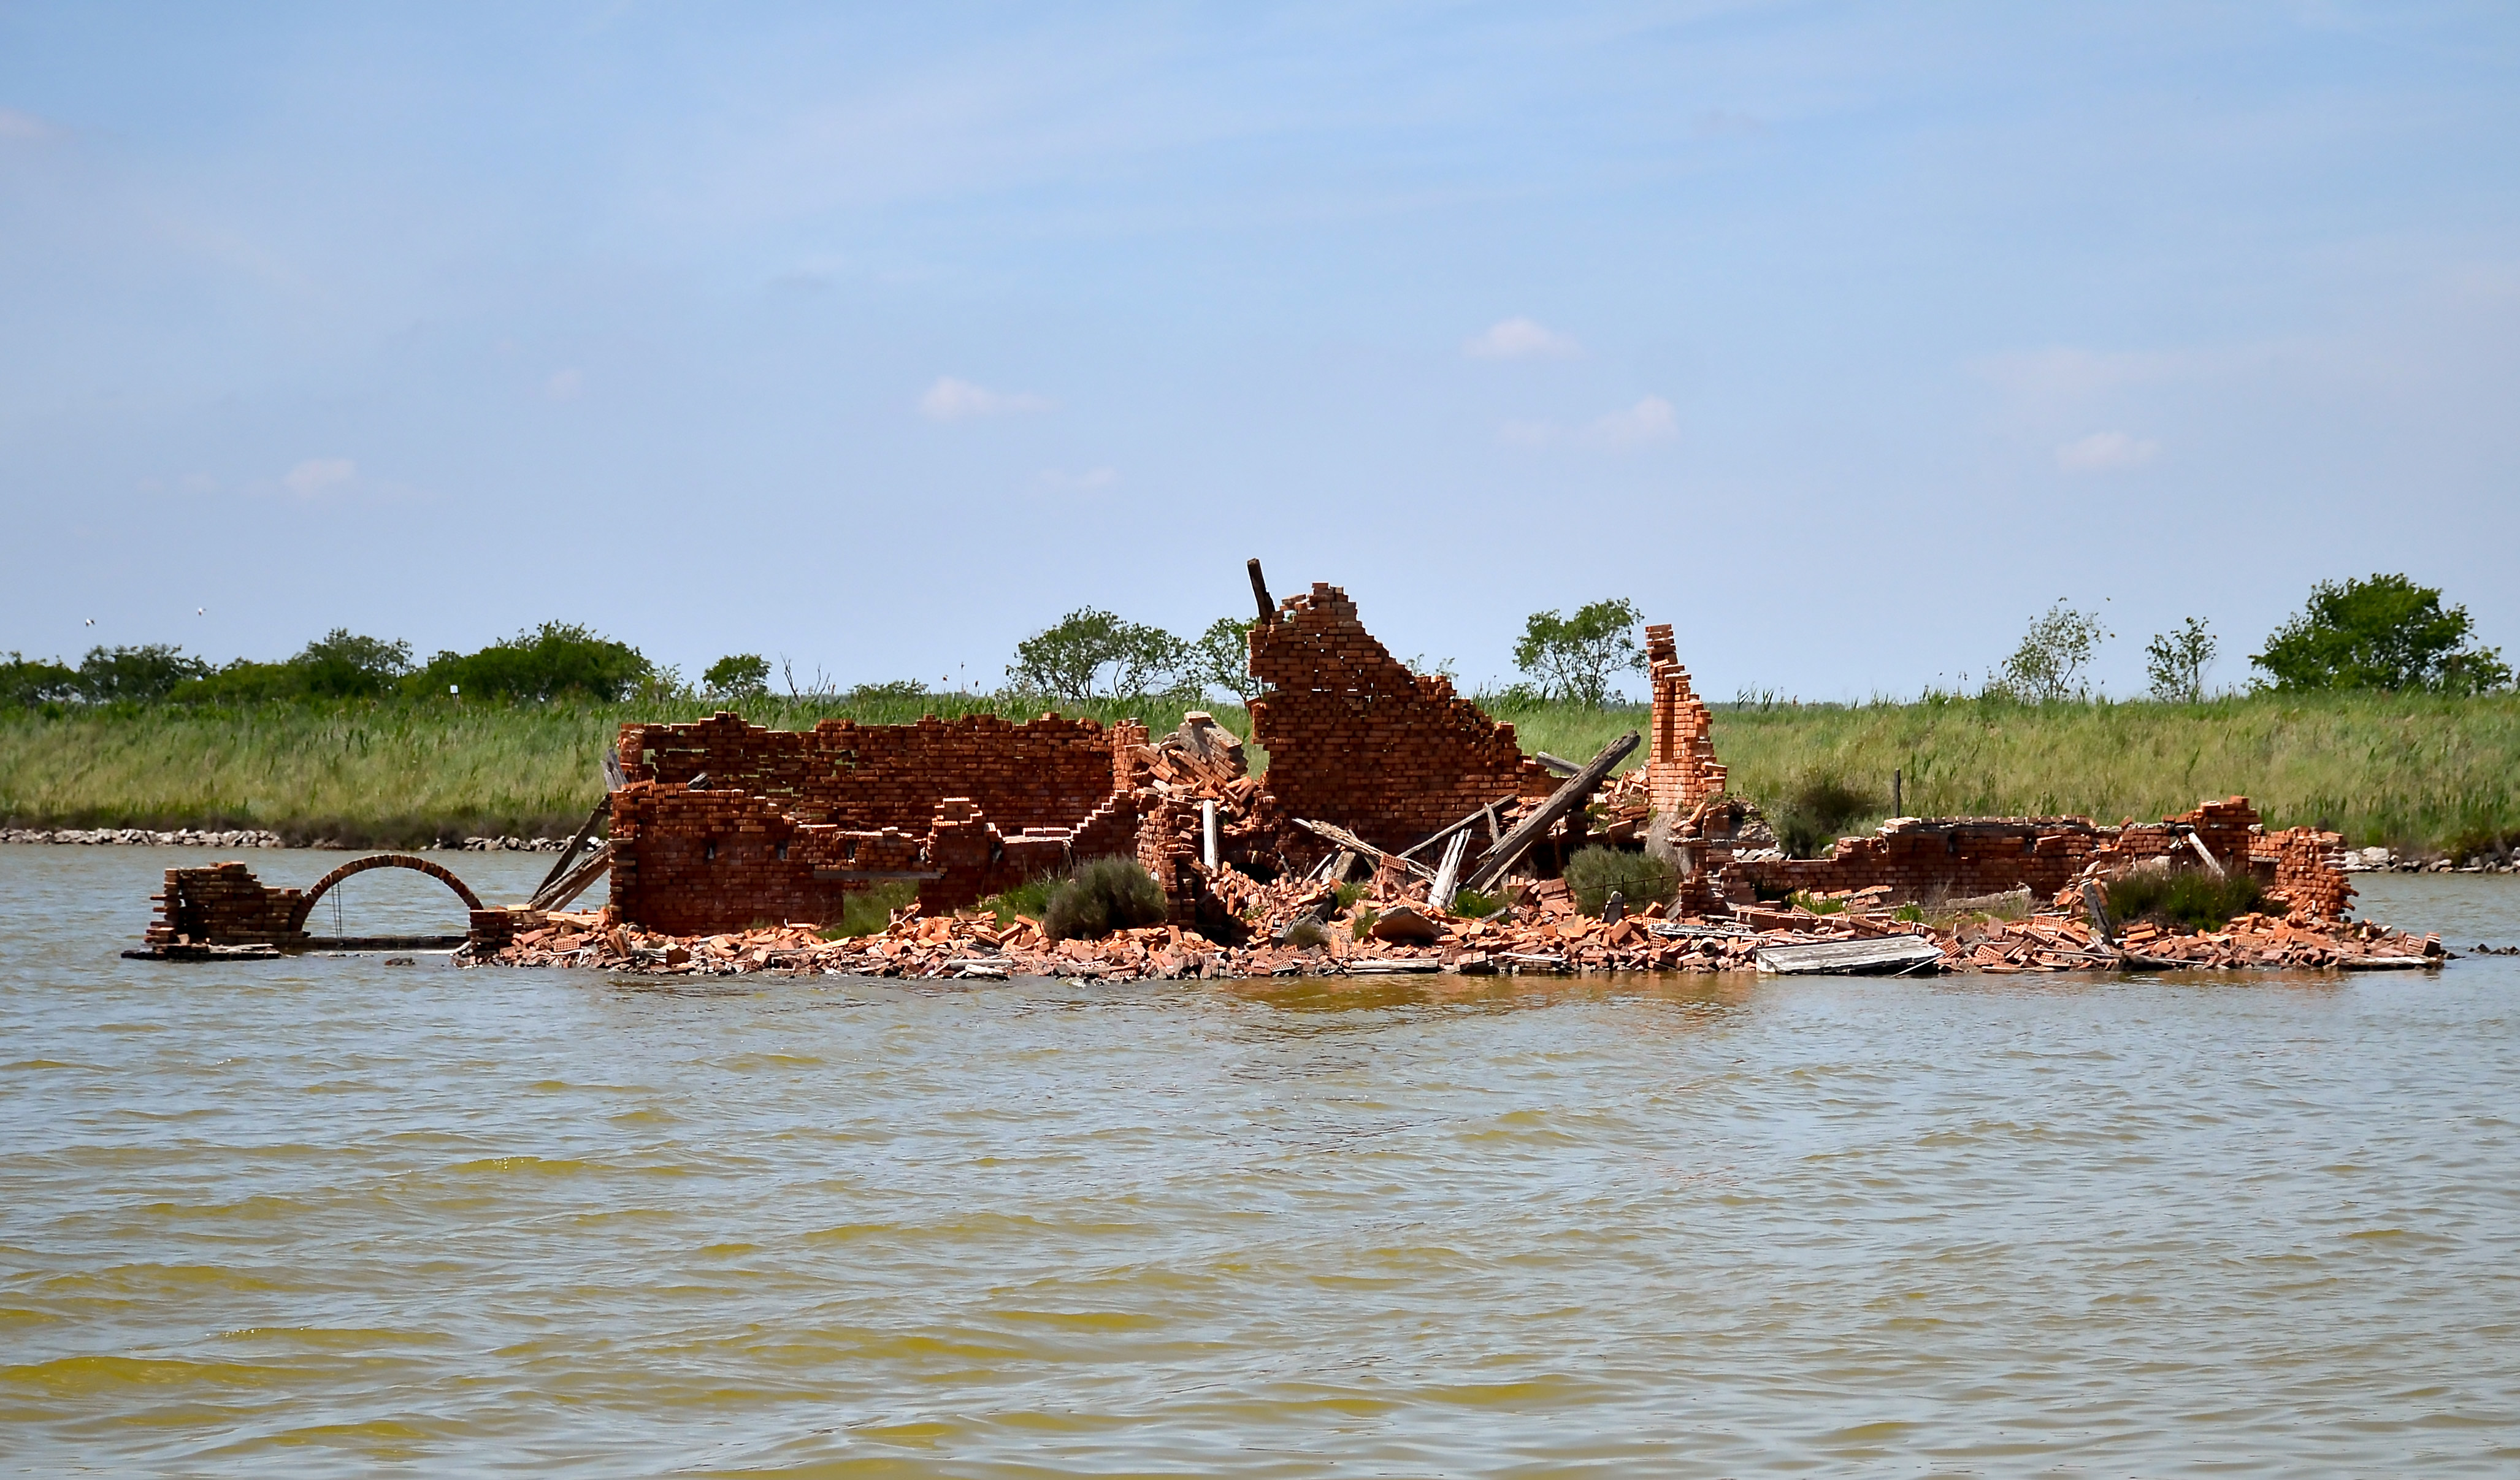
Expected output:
(784, 825)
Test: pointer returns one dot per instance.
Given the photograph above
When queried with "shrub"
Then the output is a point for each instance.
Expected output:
(1349, 894)
(554, 659)
(737, 675)
(1594, 872)
(1470, 903)
(140, 674)
(1817, 809)
(1103, 895)
(26, 683)
(2190, 897)
(1804, 899)
(1363, 925)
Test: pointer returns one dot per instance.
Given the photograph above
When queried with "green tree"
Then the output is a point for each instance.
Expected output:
(345, 665)
(1221, 658)
(2049, 664)
(737, 675)
(137, 675)
(2174, 661)
(2382, 633)
(1573, 658)
(545, 662)
(1091, 654)
(25, 683)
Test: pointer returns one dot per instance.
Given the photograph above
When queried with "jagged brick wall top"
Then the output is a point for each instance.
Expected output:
(1356, 738)
(1044, 773)
(1680, 769)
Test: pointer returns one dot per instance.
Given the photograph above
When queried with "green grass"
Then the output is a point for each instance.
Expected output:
(2188, 897)
(867, 912)
(2410, 771)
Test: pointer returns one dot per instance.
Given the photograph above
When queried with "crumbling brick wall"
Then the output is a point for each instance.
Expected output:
(223, 905)
(1355, 738)
(790, 822)
(1680, 769)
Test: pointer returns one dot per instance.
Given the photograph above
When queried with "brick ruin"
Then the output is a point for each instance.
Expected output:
(1356, 738)
(225, 905)
(723, 826)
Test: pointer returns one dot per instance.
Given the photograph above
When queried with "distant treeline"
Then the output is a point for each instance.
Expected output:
(553, 660)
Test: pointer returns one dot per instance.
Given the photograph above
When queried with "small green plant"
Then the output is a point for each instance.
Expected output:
(1470, 903)
(2190, 897)
(1349, 894)
(1817, 811)
(1363, 926)
(1594, 874)
(867, 912)
(1815, 904)
(1911, 914)
(1029, 899)
(1103, 895)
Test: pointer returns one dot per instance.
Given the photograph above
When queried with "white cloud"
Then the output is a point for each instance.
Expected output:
(318, 476)
(1520, 339)
(17, 125)
(2105, 451)
(951, 400)
(1092, 478)
(1650, 420)
(565, 386)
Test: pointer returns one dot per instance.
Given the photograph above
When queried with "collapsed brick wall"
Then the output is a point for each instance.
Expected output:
(790, 823)
(1044, 773)
(1355, 738)
(1952, 858)
(1680, 769)
(223, 905)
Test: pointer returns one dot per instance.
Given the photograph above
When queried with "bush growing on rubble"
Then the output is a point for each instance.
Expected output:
(1815, 811)
(2190, 897)
(1594, 874)
(1103, 895)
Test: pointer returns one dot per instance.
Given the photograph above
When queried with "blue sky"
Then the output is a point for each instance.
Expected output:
(1845, 337)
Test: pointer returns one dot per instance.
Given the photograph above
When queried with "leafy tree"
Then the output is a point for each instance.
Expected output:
(1071, 660)
(24, 683)
(739, 675)
(1221, 658)
(2382, 633)
(2174, 661)
(2049, 664)
(345, 665)
(1573, 658)
(139, 675)
(547, 662)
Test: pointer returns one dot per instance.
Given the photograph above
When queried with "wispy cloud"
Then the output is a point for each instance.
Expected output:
(1092, 478)
(1652, 419)
(17, 125)
(316, 477)
(2105, 452)
(952, 400)
(1520, 339)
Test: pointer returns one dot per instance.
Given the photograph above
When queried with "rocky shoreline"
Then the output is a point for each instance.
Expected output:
(254, 837)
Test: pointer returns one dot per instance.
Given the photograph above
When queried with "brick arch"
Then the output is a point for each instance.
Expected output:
(324, 885)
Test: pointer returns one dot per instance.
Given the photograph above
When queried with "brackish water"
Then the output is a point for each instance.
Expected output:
(329, 1216)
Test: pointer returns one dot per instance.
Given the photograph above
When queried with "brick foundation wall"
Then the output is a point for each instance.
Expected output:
(1355, 738)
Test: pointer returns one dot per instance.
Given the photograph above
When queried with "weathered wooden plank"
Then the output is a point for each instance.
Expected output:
(1878, 956)
(1510, 850)
(1439, 894)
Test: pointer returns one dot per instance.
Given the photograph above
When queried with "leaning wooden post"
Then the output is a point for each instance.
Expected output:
(1564, 800)
(1440, 893)
(1260, 593)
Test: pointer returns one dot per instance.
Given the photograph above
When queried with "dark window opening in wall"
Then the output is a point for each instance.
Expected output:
(708, 851)
(782, 851)
(849, 851)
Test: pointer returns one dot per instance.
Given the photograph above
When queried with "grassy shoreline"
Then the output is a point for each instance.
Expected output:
(2415, 772)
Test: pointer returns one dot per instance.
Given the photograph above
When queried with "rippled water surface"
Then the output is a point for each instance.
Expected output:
(334, 1215)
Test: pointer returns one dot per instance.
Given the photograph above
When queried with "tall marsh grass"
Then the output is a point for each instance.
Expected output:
(2410, 771)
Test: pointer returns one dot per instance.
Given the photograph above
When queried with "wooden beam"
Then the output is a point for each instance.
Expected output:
(1440, 893)
(1360, 848)
(1567, 799)
(1557, 763)
(1487, 812)
(568, 855)
(575, 881)
(1260, 593)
